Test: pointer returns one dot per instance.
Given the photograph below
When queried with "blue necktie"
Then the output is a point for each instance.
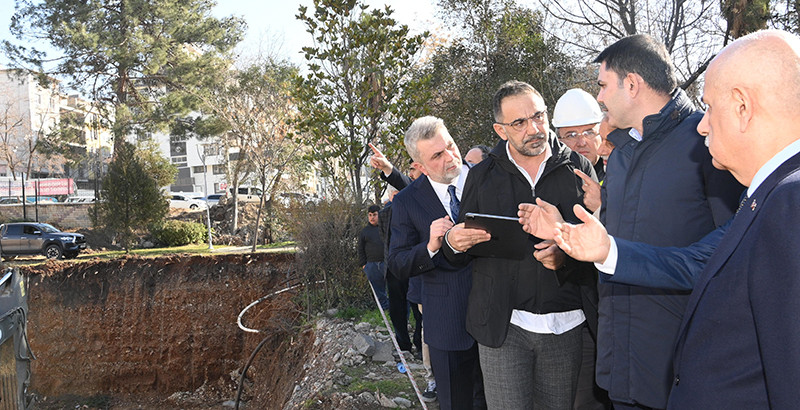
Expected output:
(455, 204)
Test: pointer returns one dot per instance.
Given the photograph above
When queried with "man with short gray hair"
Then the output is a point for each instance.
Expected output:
(421, 214)
(476, 154)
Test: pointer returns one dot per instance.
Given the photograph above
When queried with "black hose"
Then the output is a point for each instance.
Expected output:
(244, 371)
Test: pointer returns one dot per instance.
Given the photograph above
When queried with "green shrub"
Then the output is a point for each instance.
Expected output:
(179, 233)
(327, 258)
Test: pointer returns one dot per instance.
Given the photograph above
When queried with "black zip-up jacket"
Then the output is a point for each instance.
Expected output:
(496, 186)
(370, 245)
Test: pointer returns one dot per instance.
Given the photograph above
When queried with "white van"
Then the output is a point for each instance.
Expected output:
(246, 194)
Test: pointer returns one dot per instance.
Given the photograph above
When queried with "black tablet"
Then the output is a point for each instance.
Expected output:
(508, 241)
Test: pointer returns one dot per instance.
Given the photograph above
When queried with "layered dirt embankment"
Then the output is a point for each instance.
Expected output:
(151, 327)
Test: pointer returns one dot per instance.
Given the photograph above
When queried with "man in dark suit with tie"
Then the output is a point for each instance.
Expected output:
(739, 341)
(422, 213)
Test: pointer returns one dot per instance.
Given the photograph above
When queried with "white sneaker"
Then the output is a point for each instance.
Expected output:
(429, 394)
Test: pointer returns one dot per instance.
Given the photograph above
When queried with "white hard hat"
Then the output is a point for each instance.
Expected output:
(576, 107)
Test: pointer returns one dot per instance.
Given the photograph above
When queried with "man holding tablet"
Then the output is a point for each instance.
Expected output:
(525, 316)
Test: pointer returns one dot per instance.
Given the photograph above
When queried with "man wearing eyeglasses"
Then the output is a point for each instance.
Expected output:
(527, 315)
(576, 119)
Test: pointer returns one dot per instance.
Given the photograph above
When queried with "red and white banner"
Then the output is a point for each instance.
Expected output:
(44, 187)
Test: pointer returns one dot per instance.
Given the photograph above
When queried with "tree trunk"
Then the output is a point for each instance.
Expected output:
(235, 198)
(260, 208)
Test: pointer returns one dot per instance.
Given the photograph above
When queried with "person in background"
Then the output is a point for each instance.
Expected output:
(370, 255)
(397, 288)
(477, 154)
(576, 119)
(606, 146)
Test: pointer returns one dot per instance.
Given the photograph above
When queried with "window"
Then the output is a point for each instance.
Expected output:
(211, 149)
(177, 148)
(218, 169)
(199, 169)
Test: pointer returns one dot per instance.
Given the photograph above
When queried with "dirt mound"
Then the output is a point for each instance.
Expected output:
(163, 332)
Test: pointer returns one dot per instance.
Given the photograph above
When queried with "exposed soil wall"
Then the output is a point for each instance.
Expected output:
(152, 327)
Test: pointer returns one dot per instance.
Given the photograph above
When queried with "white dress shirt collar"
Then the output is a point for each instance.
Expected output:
(634, 133)
(444, 196)
(770, 166)
(548, 153)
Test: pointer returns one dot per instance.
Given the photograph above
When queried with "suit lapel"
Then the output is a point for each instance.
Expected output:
(427, 198)
(728, 244)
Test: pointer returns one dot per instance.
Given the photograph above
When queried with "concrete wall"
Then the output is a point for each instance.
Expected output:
(61, 215)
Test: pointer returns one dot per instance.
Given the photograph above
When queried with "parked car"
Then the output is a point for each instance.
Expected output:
(30, 238)
(41, 199)
(79, 199)
(213, 199)
(186, 202)
(289, 198)
(10, 200)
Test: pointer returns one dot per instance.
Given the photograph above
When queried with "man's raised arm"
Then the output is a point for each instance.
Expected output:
(626, 262)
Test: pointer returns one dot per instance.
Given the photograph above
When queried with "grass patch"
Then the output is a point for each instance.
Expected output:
(374, 318)
(392, 387)
(371, 316)
(190, 249)
(349, 313)
(389, 388)
(276, 245)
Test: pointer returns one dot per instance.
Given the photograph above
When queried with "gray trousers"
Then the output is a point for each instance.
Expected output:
(532, 370)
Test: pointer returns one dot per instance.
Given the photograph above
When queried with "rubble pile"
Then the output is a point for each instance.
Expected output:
(347, 355)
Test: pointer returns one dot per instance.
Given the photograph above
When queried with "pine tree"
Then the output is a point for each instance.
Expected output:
(131, 197)
(141, 61)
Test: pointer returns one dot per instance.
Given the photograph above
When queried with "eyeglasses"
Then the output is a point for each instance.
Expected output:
(573, 136)
(520, 124)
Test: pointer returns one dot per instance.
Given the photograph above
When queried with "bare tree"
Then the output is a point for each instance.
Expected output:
(12, 126)
(24, 125)
(253, 105)
(692, 31)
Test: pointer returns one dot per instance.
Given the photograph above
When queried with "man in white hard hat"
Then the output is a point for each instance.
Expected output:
(577, 119)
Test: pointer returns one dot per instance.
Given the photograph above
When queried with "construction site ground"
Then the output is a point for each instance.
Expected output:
(161, 333)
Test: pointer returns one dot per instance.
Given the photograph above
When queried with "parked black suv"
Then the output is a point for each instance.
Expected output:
(29, 238)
